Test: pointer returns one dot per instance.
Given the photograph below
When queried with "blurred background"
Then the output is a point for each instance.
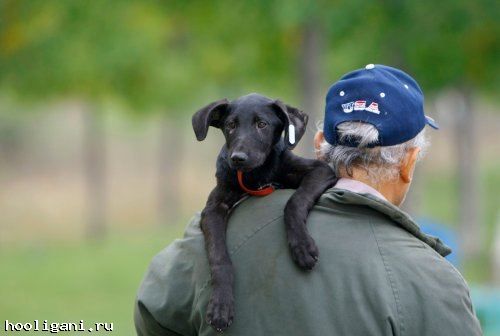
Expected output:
(99, 166)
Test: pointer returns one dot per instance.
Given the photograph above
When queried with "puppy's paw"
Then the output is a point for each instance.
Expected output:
(220, 312)
(304, 250)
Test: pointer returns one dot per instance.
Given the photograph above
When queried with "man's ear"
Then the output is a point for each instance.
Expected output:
(407, 166)
(319, 138)
(210, 115)
(294, 121)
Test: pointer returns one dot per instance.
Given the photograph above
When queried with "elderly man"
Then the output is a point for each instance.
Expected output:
(378, 274)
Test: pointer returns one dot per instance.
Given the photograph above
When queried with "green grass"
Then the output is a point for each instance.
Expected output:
(94, 282)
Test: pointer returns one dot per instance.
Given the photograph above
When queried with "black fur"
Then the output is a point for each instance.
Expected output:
(252, 126)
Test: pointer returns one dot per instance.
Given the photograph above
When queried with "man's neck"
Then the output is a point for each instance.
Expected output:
(387, 189)
(358, 187)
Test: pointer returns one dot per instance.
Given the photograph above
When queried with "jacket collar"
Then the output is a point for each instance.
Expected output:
(393, 212)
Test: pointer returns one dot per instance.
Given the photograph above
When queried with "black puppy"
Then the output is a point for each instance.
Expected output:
(256, 155)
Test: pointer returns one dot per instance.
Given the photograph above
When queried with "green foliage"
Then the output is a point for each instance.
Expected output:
(165, 55)
(89, 49)
(443, 44)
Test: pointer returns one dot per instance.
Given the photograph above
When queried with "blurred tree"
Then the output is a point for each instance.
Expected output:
(473, 32)
(93, 52)
(454, 45)
(174, 56)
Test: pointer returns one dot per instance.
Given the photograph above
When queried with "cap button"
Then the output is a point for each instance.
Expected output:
(370, 66)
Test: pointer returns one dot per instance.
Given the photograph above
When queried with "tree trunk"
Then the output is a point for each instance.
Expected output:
(94, 157)
(309, 83)
(495, 266)
(169, 154)
(412, 203)
(468, 176)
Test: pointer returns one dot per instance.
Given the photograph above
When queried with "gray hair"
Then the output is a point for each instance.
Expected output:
(381, 163)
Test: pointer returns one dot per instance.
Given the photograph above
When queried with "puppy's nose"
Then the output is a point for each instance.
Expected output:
(239, 157)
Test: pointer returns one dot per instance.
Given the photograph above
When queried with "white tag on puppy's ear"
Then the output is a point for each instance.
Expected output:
(291, 134)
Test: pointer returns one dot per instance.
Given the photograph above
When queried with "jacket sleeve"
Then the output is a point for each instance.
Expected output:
(146, 325)
(166, 299)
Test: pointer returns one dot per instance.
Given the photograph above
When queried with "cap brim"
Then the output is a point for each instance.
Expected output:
(431, 122)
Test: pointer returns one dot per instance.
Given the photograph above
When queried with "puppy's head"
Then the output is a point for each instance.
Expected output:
(252, 125)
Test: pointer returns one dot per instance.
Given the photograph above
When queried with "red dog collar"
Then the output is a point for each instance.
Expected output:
(260, 192)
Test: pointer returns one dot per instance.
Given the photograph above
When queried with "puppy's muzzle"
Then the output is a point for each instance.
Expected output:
(239, 158)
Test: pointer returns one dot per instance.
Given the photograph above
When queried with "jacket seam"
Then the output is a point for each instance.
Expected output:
(234, 250)
(392, 283)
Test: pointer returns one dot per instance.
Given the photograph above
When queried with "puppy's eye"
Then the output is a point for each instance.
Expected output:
(261, 124)
(231, 125)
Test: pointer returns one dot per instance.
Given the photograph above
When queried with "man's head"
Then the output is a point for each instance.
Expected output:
(388, 169)
(374, 129)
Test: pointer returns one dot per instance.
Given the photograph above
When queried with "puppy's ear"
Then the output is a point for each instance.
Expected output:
(210, 115)
(294, 121)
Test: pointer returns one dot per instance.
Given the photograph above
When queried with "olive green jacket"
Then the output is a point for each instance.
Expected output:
(377, 274)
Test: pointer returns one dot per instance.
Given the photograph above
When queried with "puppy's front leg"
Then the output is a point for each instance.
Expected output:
(311, 178)
(213, 223)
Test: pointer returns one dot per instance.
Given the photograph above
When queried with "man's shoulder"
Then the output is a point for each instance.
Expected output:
(364, 256)
(250, 219)
(373, 237)
(346, 225)
(254, 211)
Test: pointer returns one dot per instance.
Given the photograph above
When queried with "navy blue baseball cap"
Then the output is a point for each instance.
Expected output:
(380, 95)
